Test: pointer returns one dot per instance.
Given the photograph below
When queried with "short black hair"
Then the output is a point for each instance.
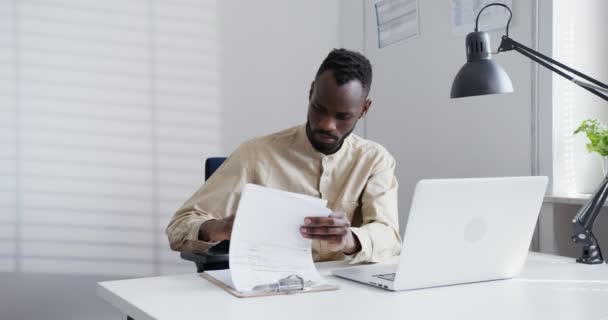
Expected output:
(348, 65)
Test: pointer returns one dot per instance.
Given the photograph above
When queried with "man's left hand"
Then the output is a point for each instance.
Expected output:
(334, 231)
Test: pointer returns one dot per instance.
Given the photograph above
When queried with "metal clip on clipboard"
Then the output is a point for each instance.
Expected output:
(289, 284)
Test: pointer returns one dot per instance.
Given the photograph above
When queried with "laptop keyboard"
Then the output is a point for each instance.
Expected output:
(387, 277)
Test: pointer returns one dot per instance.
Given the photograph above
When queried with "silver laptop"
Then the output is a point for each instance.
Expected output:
(461, 231)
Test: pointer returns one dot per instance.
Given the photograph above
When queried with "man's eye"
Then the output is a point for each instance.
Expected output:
(344, 118)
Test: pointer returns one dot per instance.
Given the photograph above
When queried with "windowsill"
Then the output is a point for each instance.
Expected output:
(569, 199)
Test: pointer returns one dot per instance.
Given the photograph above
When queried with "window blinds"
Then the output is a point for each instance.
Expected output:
(107, 112)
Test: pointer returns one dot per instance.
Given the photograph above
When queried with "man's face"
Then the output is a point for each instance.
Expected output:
(333, 111)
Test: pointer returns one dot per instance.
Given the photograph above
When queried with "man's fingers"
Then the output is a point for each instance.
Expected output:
(330, 222)
(340, 231)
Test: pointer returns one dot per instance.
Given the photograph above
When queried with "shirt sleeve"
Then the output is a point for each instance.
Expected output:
(216, 199)
(379, 231)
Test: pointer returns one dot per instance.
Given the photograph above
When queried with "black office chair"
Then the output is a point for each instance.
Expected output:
(216, 258)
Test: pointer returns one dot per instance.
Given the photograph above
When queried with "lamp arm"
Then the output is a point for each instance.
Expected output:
(587, 214)
(509, 44)
(589, 85)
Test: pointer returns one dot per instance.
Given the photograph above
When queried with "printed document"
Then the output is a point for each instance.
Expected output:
(266, 245)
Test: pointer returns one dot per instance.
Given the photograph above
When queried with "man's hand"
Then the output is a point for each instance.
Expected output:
(216, 230)
(334, 231)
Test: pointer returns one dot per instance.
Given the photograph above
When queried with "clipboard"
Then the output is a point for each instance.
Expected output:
(290, 285)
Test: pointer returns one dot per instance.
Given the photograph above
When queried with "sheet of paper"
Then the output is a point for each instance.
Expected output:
(397, 20)
(266, 244)
(223, 276)
(464, 13)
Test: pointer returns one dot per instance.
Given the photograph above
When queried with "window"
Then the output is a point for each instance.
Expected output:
(579, 42)
(107, 112)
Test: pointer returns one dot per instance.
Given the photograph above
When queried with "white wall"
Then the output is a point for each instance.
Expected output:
(271, 51)
(431, 135)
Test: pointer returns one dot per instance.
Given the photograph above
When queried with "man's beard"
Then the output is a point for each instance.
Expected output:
(326, 148)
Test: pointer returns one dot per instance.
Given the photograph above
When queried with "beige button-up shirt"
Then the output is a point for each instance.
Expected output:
(359, 179)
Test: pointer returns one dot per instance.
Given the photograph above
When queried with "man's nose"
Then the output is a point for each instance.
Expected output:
(327, 124)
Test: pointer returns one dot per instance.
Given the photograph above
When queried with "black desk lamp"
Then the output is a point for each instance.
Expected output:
(481, 75)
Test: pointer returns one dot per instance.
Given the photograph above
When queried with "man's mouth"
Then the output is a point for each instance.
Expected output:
(326, 137)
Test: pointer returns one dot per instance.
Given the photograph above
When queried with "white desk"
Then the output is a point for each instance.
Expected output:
(550, 287)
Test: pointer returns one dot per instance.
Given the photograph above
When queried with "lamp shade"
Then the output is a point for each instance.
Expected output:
(480, 75)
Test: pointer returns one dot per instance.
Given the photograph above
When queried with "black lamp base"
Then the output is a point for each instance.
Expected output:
(583, 223)
(591, 255)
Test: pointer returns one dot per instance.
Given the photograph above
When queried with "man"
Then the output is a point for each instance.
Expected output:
(321, 159)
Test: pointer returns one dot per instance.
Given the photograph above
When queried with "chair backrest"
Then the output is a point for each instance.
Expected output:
(212, 164)
(216, 258)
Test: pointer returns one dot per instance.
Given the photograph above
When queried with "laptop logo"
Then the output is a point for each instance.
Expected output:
(475, 230)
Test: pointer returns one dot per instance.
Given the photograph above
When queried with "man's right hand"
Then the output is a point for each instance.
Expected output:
(216, 230)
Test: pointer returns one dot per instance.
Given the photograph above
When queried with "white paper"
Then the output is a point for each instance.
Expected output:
(222, 276)
(464, 13)
(266, 244)
(397, 20)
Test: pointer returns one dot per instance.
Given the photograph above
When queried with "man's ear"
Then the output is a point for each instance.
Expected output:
(366, 106)
(312, 86)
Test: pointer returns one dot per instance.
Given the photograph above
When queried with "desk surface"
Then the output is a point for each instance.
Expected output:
(550, 287)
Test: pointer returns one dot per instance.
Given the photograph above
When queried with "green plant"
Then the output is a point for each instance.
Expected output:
(597, 134)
